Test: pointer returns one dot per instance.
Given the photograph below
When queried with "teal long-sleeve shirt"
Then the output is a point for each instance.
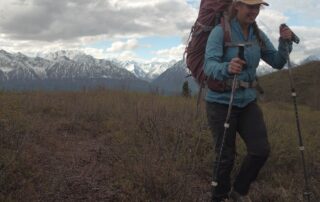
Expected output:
(217, 60)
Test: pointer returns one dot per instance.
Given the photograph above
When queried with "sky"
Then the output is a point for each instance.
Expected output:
(140, 30)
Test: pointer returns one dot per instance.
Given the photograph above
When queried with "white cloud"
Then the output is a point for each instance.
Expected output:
(270, 20)
(117, 46)
(174, 53)
(309, 8)
(31, 26)
(95, 52)
(48, 20)
(124, 56)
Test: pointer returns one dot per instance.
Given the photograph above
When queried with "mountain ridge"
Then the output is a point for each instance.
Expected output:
(75, 66)
(18, 71)
(62, 65)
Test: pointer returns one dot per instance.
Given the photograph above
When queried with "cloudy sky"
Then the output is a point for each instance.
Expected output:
(142, 30)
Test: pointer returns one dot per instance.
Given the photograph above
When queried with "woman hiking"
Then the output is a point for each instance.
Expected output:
(246, 118)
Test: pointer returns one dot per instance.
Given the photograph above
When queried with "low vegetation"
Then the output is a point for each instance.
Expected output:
(306, 82)
(119, 146)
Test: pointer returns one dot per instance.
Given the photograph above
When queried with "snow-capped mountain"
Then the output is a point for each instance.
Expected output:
(155, 69)
(264, 69)
(16, 66)
(171, 81)
(311, 58)
(39, 65)
(74, 68)
(134, 67)
(71, 54)
(146, 71)
(59, 66)
(18, 71)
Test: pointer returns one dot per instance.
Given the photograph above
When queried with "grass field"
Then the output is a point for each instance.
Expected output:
(119, 146)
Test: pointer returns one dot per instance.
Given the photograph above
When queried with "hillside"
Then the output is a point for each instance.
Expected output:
(171, 81)
(306, 78)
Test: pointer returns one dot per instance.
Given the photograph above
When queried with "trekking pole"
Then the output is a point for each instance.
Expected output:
(214, 182)
(307, 192)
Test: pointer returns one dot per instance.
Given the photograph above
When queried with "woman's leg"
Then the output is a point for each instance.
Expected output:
(216, 114)
(252, 129)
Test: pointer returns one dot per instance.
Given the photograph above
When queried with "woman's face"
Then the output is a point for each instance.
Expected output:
(247, 14)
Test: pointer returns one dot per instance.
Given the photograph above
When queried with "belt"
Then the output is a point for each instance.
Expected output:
(226, 85)
(242, 84)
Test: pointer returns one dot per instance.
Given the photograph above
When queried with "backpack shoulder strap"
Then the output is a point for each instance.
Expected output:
(225, 23)
(226, 28)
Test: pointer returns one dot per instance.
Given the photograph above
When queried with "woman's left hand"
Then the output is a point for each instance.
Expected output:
(285, 33)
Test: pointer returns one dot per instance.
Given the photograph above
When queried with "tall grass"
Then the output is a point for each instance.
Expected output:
(119, 146)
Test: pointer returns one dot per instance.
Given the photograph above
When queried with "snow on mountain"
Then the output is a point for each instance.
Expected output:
(11, 61)
(5, 62)
(62, 53)
(73, 65)
(310, 59)
(58, 65)
(134, 67)
(16, 66)
(76, 64)
(5, 57)
(154, 69)
(21, 73)
(39, 65)
(264, 69)
(79, 65)
(147, 71)
(84, 59)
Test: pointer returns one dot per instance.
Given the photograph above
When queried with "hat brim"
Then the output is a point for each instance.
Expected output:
(255, 3)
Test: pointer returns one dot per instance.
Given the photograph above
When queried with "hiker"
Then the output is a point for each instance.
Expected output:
(222, 63)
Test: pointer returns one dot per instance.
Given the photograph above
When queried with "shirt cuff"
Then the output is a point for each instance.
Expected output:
(225, 73)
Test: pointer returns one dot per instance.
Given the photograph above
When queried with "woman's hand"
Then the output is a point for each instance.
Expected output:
(236, 65)
(285, 33)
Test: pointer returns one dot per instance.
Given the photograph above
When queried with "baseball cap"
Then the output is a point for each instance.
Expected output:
(254, 2)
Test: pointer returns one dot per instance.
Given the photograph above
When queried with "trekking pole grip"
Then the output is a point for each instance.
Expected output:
(241, 52)
(294, 38)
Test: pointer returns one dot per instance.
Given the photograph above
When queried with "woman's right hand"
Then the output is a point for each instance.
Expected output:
(236, 65)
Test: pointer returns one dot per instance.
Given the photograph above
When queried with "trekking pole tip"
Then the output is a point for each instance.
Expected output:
(307, 194)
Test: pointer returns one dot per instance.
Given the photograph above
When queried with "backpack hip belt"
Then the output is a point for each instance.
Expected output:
(226, 85)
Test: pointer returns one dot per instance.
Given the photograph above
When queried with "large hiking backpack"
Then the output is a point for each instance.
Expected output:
(211, 13)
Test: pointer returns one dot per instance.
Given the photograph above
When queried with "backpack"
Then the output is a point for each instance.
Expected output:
(211, 13)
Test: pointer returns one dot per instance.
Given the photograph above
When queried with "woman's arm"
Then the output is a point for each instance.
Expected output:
(276, 59)
(214, 67)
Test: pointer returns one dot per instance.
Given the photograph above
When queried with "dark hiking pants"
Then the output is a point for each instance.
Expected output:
(249, 123)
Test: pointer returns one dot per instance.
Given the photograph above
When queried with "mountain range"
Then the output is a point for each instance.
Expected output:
(64, 70)
(58, 66)
(146, 71)
(74, 70)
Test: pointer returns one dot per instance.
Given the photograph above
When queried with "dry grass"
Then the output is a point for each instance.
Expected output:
(119, 146)
(306, 82)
